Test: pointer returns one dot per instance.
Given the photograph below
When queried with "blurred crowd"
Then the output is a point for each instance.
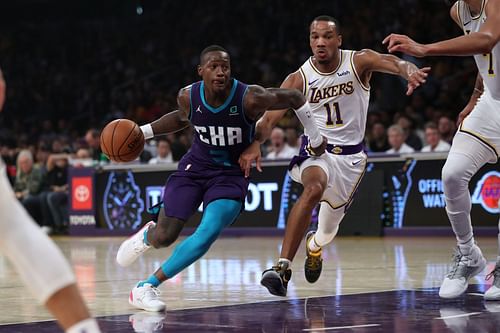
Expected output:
(70, 71)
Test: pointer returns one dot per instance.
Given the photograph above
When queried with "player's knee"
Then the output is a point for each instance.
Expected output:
(312, 194)
(452, 178)
(166, 233)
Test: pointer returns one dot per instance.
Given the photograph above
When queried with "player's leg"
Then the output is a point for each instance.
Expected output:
(493, 294)
(51, 280)
(181, 198)
(466, 157)
(314, 178)
(346, 172)
(217, 215)
(328, 225)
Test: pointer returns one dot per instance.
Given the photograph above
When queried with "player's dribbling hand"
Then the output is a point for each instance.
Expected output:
(320, 150)
(403, 43)
(416, 79)
(252, 153)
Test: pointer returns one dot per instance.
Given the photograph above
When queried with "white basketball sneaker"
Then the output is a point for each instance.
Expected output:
(146, 298)
(493, 294)
(467, 262)
(133, 247)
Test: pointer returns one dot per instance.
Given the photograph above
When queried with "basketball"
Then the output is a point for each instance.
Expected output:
(122, 140)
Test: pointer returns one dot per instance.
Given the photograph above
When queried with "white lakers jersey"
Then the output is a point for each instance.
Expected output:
(339, 101)
(487, 64)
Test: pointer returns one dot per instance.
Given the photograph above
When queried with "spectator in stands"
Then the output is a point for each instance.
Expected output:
(42, 155)
(378, 138)
(29, 184)
(447, 128)
(397, 138)
(93, 139)
(82, 158)
(279, 148)
(408, 125)
(293, 139)
(56, 198)
(433, 139)
(163, 152)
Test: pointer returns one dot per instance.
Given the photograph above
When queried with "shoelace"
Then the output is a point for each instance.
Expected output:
(139, 246)
(313, 261)
(152, 293)
(457, 259)
(494, 273)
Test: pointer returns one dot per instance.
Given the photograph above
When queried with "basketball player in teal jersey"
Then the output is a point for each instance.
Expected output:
(38, 261)
(336, 83)
(477, 141)
(223, 112)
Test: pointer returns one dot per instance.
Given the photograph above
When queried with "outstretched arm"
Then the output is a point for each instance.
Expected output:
(2, 90)
(277, 102)
(173, 121)
(368, 61)
(258, 100)
(270, 119)
(479, 42)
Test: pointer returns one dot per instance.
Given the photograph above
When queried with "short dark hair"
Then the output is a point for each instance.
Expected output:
(328, 18)
(211, 48)
(431, 125)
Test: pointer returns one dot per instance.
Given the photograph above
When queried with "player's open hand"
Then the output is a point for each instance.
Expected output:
(252, 153)
(321, 148)
(403, 43)
(416, 79)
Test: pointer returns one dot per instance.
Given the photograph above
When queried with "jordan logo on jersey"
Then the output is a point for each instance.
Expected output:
(332, 91)
(219, 136)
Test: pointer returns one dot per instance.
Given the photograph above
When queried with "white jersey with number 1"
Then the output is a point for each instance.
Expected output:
(487, 64)
(339, 101)
(483, 122)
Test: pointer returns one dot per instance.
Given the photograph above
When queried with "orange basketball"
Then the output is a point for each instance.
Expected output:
(122, 140)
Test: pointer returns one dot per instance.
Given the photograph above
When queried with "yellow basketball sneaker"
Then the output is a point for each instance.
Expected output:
(313, 263)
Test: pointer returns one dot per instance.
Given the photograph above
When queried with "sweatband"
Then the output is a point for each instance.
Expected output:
(307, 119)
(147, 130)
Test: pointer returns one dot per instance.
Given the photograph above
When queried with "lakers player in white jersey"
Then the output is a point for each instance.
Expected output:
(336, 84)
(50, 279)
(477, 141)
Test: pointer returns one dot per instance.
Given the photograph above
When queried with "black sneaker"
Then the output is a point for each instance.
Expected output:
(313, 263)
(276, 279)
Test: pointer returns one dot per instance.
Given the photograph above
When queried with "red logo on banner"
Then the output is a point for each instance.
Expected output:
(487, 192)
(82, 193)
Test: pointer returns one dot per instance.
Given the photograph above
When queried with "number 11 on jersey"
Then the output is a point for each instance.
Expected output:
(329, 120)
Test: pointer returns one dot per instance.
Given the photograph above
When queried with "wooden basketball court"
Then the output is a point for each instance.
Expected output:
(367, 285)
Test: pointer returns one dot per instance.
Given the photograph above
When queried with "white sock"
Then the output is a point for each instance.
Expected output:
(467, 244)
(88, 325)
(285, 261)
(312, 246)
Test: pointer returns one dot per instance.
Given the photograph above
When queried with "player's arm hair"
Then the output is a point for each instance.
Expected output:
(479, 42)
(173, 121)
(367, 61)
(271, 118)
(2, 90)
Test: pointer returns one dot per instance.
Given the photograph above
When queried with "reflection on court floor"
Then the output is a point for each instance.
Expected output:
(367, 285)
